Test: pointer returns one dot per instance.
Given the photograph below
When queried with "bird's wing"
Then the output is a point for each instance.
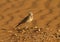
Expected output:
(23, 21)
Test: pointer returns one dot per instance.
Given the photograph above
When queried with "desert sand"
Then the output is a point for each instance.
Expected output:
(45, 26)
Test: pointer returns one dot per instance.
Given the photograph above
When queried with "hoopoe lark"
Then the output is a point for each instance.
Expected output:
(27, 19)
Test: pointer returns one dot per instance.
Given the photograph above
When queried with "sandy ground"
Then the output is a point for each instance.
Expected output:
(45, 26)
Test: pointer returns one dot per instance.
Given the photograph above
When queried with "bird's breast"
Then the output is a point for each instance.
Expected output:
(30, 19)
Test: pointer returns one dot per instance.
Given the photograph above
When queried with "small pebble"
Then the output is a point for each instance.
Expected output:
(59, 30)
(35, 27)
(39, 29)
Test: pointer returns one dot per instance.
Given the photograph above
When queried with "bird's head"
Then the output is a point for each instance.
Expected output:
(30, 14)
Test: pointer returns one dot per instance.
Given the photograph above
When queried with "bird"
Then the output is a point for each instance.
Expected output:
(27, 19)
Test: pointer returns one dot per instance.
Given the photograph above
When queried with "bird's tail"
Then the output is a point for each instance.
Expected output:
(18, 24)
